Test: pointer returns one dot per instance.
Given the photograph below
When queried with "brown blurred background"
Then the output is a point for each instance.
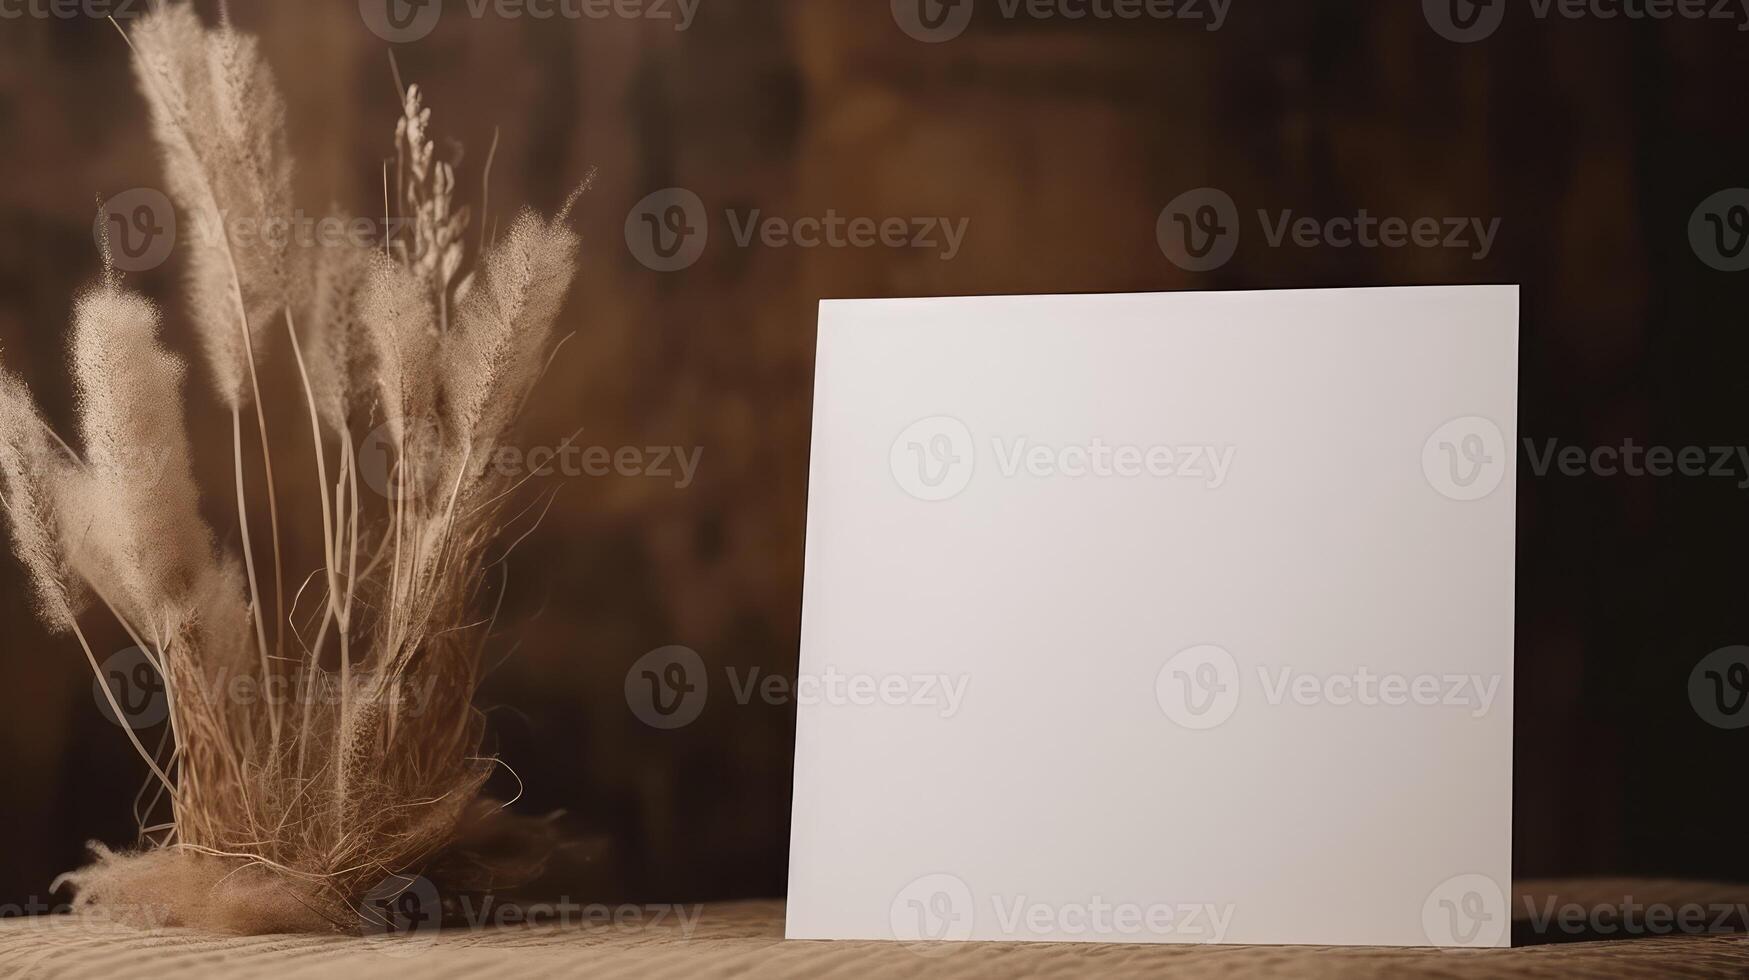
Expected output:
(1059, 141)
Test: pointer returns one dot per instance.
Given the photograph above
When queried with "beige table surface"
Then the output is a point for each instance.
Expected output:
(745, 939)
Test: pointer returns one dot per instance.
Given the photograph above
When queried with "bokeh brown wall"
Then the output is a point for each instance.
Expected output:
(1059, 142)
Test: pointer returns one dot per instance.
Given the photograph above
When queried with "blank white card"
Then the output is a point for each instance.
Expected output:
(1176, 617)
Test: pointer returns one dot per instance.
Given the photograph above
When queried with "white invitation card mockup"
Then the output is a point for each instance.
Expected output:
(1179, 617)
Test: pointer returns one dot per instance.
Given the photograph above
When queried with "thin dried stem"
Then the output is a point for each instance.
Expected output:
(249, 557)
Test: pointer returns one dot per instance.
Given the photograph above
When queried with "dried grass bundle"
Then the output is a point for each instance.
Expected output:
(284, 812)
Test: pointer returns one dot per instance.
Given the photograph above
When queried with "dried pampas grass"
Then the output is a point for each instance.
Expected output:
(219, 123)
(285, 812)
(31, 469)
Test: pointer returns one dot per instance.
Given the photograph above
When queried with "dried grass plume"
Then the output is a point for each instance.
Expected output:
(360, 761)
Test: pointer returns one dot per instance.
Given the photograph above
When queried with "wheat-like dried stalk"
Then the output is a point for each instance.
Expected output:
(284, 812)
(219, 123)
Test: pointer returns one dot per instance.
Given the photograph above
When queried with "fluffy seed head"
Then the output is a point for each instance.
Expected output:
(31, 467)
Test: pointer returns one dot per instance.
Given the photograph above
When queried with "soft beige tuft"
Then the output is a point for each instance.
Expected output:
(31, 470)
(141, 515)
(496, 353)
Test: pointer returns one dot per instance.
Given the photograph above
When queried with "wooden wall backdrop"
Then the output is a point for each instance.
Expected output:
(1059, 142)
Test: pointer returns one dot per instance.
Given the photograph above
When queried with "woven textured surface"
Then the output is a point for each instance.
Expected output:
(746, 939)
